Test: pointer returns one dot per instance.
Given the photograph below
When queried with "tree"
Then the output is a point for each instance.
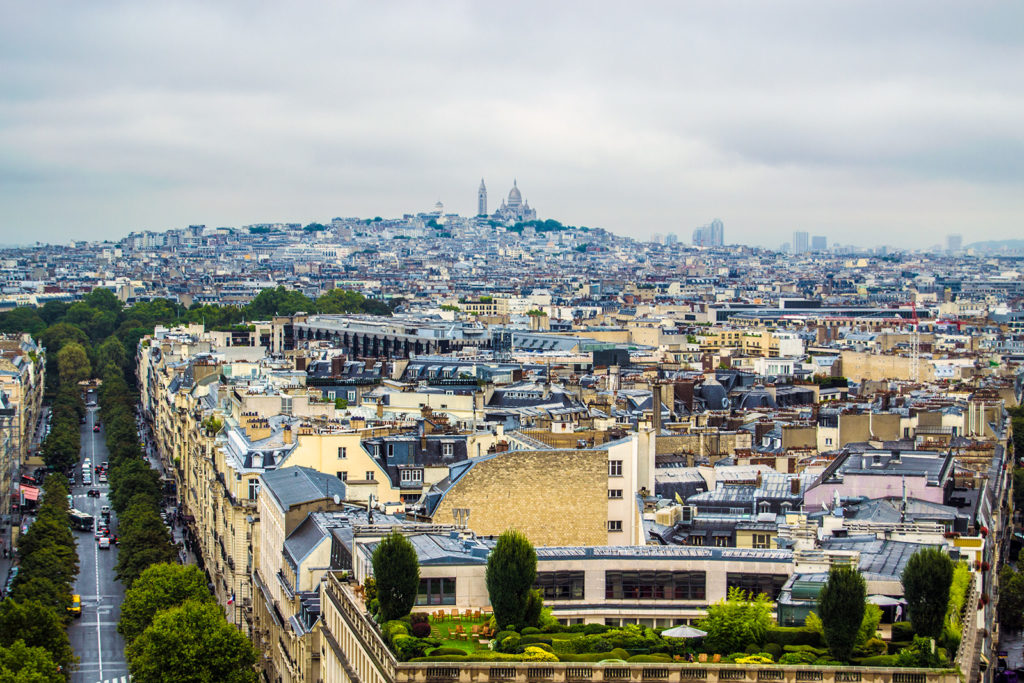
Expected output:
(926, 580)
(159, 587)
(397, 572)
(1011, 598)
(737, 621)
(192, 642)
(20, 663)
(511, 572)
(73, 363)
(841, 608)
(36, 625)
(144, 541)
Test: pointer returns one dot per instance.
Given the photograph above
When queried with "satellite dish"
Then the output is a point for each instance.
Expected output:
(337, 499)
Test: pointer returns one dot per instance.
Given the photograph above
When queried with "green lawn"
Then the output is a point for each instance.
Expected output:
(445, 630)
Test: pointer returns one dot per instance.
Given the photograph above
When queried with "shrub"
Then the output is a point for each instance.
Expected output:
(919, 654)
(816, 651)
(798, 658)
(755, 659)
(390, 629)
(509, 644)
(441, 658)
(774, 649)
(650, 659)
(737, 620)
(502, 635)
(417, 617)
(529, 631)
(879, 660)
(592, 629)
(407, 647)
(420, 629)
(442, 651)
(554, 628)
(536, 638)
(543, 646)
(872, 648)
(903, 630)
(793, 635)
(536, 654)
(752, 648)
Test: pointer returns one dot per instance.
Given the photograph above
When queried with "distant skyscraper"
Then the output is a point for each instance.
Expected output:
(481, 199)
(954, 242)
(710, 235)
(819, 243)
(717, 233)
(671, 238)
(800, 242)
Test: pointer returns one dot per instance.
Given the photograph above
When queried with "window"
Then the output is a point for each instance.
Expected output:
(614, 468)
(614, 525)
(828, 440)
(654, 585)
(391, 450)
(376, 450)
(722, 541)
(411, 475)
(330, 395)
(757, 583)
(351, 396)
(560, 585)
(343, 476)
(436, 592)
(447, 449)
(369, 475)
(342, 452)
(696, 540)
(762, 541)
(614, 494)
(254, 488)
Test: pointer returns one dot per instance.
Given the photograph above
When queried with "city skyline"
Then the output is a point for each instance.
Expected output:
(862, 124)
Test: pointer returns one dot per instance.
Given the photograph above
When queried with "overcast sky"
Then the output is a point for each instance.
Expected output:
(868, 122)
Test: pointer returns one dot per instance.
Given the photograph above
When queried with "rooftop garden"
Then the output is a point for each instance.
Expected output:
(738, 630)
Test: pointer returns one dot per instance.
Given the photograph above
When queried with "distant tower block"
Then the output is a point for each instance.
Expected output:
(481, 199)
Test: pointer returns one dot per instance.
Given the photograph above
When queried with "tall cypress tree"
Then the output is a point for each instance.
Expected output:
(841, 608)
(511, 572)
(397, 572)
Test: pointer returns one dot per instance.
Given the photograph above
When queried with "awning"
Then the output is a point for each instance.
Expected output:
(30, 492)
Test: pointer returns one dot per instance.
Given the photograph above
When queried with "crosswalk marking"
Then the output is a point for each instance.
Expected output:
(118, 679)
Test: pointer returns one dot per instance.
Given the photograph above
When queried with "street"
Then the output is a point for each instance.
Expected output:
(94, 636)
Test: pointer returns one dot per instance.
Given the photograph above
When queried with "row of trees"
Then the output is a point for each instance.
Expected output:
(175, 630)
(101, 315)
(34, 643)
(37, 610)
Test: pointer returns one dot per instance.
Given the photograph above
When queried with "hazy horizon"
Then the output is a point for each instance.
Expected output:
(869, 123)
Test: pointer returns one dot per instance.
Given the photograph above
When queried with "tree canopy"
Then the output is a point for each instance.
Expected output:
(737, 621)
(397, 572)
(192, 642)
(926, 581)
(841, 606)
(160, 587)
(511, 573)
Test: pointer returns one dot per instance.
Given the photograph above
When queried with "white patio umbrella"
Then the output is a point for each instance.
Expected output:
(885, 601)
(684, 632)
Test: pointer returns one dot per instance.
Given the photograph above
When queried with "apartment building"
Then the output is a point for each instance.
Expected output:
(22, 376)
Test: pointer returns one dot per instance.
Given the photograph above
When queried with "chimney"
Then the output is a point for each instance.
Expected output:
(287, 434)
(337, 363)
(300, 363)
(794, 486)
(656, 407)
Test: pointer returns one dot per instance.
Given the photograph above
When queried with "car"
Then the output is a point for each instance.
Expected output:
(75, 609)
(71, 481)
(105, 510)
(104, 543)
(95, 428)
(93, 493)
(103, 479)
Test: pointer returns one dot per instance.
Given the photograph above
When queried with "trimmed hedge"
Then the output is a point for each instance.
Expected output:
(443, 651)
(793, 635)
(878, 660)
(534, 638)
(650, 659)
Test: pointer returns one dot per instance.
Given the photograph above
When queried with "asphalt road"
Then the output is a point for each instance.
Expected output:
(94, 636)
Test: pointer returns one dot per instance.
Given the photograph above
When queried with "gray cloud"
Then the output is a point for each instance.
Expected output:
(866, 121)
